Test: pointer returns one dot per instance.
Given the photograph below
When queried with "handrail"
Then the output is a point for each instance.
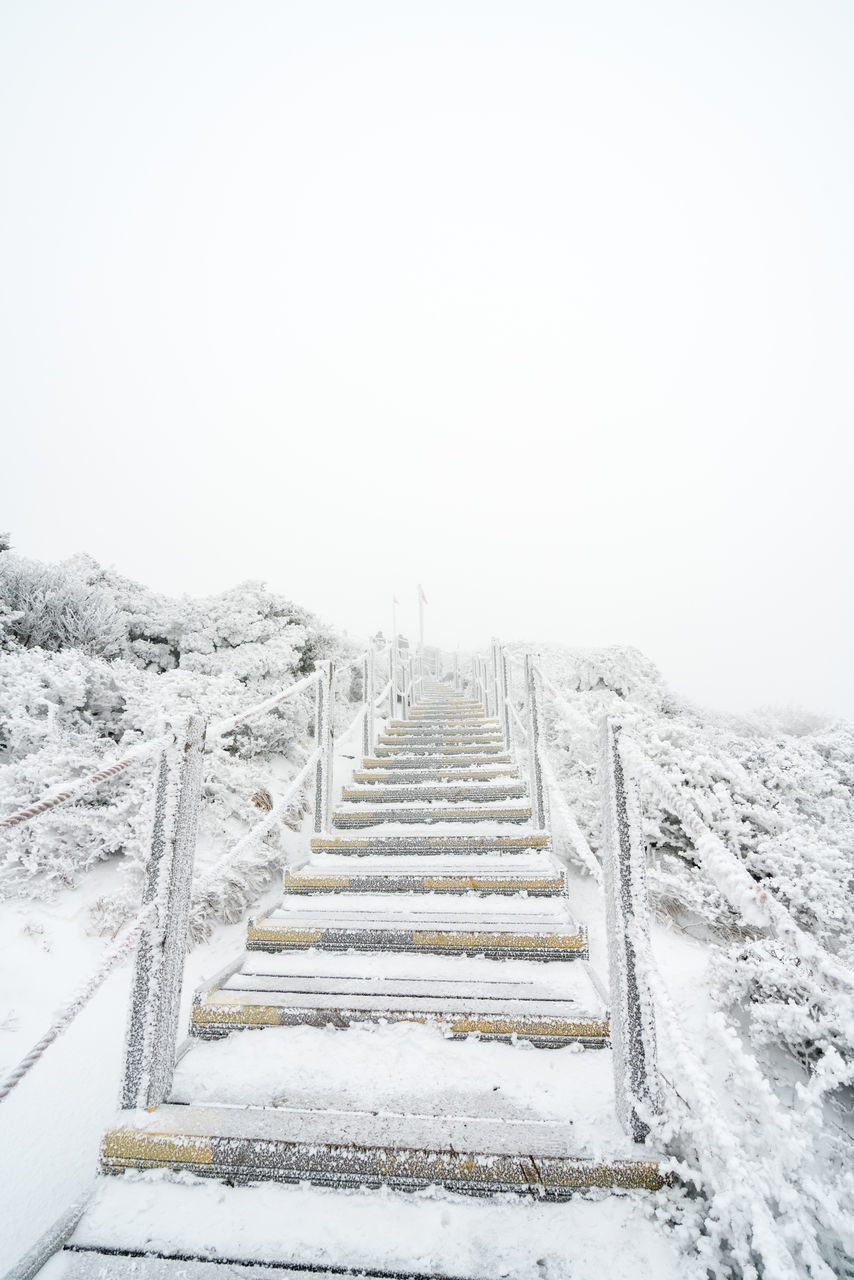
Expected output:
(74, 787)
(166, 839)
(78, 1001)
(756, 906)
(256, 833)
(582, 848)
(219, 727)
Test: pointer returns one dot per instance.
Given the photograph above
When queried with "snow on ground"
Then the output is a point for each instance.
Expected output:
(52, 1123)
(406, 1068)
(591, 1237)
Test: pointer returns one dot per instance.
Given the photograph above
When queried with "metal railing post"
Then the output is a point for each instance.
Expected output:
(323, 774)
(496, 680)
(538, 795)
(159, 971)
(503, 708)
(368, 722)
(636, 1080)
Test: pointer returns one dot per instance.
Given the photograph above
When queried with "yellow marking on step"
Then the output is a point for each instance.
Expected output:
(547, 942)
(255, 1015)
(244, 1013)
(504, 1025)
(274, 933)
(534, 840)
(326, 882)
(132, 1146)
(438, 813)
(480, 882)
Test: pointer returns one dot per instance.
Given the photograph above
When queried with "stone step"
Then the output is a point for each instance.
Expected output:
(469, 842)
(446, 717)
(449, 874)
(425, 932)
(536, 1012)
(446, 749)
(434, 793)
(436, 760)
(307, 1231)
(77, 1262)
(351, 1148)
(427, 773)
(359, 816)
(463, 732)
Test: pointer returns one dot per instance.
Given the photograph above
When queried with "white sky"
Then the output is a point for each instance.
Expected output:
(549, 306)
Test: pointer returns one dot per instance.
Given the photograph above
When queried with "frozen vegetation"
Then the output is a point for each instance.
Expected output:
(755, 1022)
(90, 665)
(759, 1056)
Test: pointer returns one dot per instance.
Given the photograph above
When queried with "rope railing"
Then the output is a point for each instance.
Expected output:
(257, 832)
(577, 837)
(75, 787)
(219, 727)
(69, 1011)
(756, 906)
(163, 925)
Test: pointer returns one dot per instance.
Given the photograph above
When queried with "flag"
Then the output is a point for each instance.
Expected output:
(421, 595)
(395, 600)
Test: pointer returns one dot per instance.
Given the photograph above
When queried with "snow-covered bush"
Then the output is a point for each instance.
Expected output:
(92, 664)
(777, 789)
(53, 607)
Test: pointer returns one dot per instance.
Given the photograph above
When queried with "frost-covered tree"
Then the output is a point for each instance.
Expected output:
(91, 661)
(777, 789)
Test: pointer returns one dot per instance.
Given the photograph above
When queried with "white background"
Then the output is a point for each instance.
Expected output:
(546, 305)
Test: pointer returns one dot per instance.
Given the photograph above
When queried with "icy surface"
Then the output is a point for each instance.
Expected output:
(588, 1238)
(407, 1068)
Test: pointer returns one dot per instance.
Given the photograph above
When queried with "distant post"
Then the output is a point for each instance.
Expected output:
(636, 1080)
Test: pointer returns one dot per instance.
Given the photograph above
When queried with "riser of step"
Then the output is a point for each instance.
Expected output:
(379, 777)
(434, 761)
(213, 1018)
(447, 749)
(446, 717)
(79, 1263)
(433, 723)
(428, 814)
(453, 731)
(384, 794)
(442, 705)
(429, 845)
(240, 1159)
(533, 886)
(532, 946)
(439, 739)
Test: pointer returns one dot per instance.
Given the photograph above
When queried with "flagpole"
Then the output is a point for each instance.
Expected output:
(421, 615)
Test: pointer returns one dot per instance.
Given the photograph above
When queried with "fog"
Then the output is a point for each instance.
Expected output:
(548, 306)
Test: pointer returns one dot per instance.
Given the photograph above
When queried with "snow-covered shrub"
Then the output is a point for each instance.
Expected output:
(54, 607)
(777, 788)
(72, 696)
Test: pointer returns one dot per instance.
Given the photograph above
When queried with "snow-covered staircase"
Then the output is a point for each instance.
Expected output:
(431, 920)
